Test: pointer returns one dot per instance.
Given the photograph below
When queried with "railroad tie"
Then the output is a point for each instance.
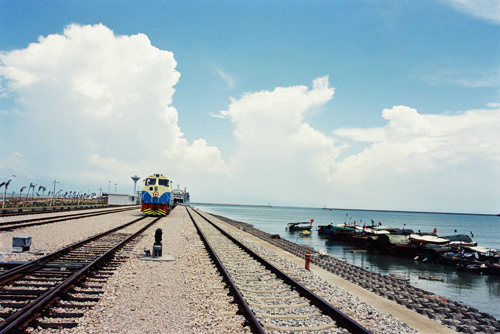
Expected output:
(277, 298)
(280, 306)
(274, 283)
(264, 291)
(289, 316)
(300, 329)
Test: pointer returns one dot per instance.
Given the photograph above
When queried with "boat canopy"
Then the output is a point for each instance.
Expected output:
(372, 231)
(431, 239)
(395, 239)
(342, 227)
(480, 249)
(393, 230)
(458, 237)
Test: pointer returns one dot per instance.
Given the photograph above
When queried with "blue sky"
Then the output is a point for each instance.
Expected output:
(356, 104)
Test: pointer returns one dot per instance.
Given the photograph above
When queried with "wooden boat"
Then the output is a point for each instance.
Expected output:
(493, 268)
(302, 226)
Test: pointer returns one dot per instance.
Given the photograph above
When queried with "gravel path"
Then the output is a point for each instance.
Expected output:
(51, 237)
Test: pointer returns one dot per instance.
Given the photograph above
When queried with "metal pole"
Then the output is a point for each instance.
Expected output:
(4, 192)
(52, 202)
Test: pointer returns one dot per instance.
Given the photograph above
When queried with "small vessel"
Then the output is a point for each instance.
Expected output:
(302, 226)
(305, 233)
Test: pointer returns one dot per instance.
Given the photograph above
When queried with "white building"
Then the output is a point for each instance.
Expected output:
(121, 199)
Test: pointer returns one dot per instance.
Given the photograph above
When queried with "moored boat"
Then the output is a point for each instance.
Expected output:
(301, 226)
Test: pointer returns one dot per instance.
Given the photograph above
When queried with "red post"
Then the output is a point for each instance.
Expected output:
(308, 259)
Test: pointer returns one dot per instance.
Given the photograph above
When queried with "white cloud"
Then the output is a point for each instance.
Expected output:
(412, 143)
(93, 101)
(212, 114)
(278, 152)
(229, 80)
(362, 135)
(484, 9)
(13, 111)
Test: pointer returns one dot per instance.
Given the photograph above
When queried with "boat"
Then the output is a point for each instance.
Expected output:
(305, 233)
(301, 226)
(493, 268)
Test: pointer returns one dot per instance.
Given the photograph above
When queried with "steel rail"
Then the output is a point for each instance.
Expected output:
(33, 309)
(12, 225)
(29, 211)
(37, 263)
(341, 319)
(251, 320)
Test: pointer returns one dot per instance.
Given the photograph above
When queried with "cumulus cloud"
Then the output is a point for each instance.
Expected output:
(278, 151)
(99, 101)
(412, 143)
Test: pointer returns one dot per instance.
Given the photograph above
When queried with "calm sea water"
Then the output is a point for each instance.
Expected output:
(475, 290)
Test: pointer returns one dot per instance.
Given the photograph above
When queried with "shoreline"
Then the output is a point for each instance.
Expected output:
(408, 211)
(351, 209)
(249, 205)
(409, 303)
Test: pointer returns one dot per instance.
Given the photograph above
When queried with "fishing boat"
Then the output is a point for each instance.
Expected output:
(301, 226)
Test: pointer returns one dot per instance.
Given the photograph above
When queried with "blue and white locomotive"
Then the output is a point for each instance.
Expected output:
(156, 197)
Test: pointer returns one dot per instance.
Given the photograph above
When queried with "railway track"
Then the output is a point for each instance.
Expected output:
(50, 292)
(15, 224)
(27, 211)
(270, 299)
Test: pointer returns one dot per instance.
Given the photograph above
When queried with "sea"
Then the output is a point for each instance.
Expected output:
(472, 289)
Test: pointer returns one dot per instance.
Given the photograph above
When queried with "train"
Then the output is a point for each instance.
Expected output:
(156, 199)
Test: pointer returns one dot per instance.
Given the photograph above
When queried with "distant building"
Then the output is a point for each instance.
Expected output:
(122, 199)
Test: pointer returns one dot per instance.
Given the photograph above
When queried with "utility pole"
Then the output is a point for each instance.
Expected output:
(52, 202)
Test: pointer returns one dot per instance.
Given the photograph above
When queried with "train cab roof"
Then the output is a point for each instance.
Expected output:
(161, 176)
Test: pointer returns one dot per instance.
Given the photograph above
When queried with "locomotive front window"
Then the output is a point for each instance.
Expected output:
(164, 182)
(150, 182)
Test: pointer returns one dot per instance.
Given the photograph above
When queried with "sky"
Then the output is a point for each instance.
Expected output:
(358, 104)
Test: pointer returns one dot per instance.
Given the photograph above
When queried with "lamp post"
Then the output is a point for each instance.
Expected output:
(53, 193)
(115, 187)
(109, 187)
